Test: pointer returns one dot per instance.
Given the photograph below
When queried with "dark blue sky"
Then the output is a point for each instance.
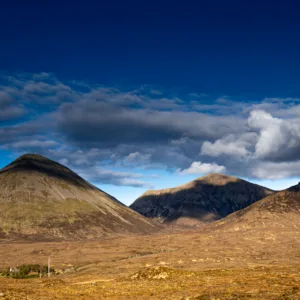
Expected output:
(135, 95)
(239, 48)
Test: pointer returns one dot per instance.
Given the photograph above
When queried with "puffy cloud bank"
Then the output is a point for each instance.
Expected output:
(109, 133)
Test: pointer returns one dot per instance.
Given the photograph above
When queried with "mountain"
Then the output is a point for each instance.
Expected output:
(205, 199)
(41, 199)
(279, 212)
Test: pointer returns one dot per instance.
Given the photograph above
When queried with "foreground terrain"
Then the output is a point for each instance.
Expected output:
(171, 265)
(254, 283)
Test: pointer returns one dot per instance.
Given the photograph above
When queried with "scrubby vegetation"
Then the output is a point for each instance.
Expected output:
(26, 271)
(160, 283)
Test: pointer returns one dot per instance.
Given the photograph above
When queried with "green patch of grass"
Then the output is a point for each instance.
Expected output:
(26, 271)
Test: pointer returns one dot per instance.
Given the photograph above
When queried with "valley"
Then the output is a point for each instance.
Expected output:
(101, 249)
(186, 265)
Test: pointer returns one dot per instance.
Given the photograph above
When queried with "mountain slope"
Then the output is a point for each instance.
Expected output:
(205, 199)
(42, 199)
(280, 211)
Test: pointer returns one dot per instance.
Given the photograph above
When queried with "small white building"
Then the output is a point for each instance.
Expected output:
(13, 270)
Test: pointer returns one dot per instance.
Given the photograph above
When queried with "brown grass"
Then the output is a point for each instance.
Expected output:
(251, 283)
(181, 265)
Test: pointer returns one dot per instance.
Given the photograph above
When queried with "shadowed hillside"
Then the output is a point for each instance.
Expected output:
(205, 199)
(41, 199)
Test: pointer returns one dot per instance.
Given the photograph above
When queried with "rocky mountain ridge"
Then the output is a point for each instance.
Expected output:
(205, 199)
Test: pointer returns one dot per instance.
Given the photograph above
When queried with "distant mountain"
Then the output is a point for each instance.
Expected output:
(205, 199)
(41, 199)
(280, 211)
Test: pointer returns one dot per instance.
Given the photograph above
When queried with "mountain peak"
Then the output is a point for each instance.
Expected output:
(54, 202)
(33, 156)
(38, 163)
(29, 159)
(206, 198)
(217, 179)
(216, 175)
(295, 188)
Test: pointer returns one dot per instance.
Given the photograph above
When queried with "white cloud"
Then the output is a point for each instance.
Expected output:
(135, 183)
(99, 175)
(271, 170)
(133, 159)
(278, 138)
(197, 167)
(230, 145)
(137, 157)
